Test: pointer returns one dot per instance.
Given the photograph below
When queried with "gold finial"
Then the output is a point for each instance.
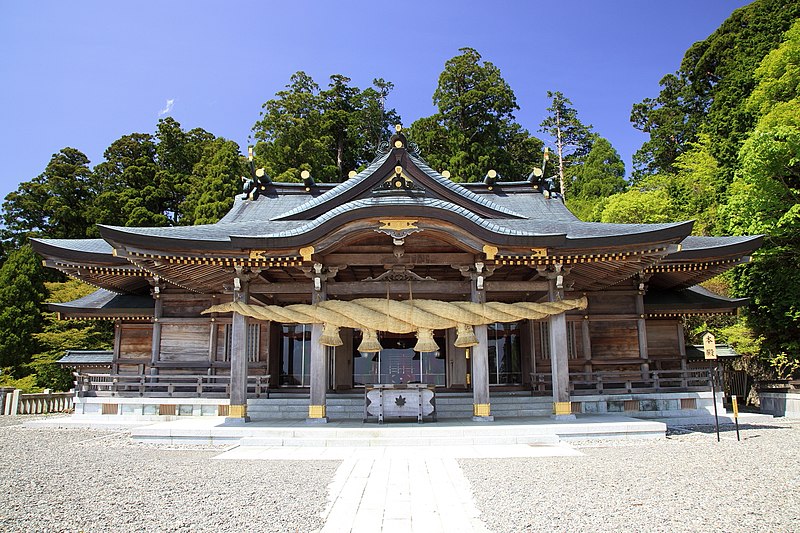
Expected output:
(305, 174)
(446, 173)
(398, 127)
(352, 174)
(492, 173)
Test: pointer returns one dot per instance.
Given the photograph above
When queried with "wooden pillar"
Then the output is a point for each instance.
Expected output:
(641, 327)
(238, 390)
(559, 357)
(481, 406)
(117, 346)
(587, 344)
(158, 310)
(317, 410)
(213, 337)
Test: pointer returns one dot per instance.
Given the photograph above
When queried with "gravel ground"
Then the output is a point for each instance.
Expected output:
(94, 480)
(686, 482)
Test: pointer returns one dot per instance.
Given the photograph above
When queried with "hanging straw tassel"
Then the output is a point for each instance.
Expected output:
(425, 342)
(466, 336)
(369, 343)
(330, 335)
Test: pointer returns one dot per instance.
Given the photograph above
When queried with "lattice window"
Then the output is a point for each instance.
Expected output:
(252, 342)
(226, 352)
(544, 340)
(572, 351)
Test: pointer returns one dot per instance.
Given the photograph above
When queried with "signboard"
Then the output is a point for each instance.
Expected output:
(709, 346)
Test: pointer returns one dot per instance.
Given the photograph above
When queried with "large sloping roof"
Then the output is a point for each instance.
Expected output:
(514, 218)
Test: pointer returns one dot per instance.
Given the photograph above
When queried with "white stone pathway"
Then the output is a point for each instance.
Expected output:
(399, 488)
(401, 494)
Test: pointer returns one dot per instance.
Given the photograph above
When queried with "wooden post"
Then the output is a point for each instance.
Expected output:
(481, 406)
(117, 346)
(641, 327)
(587, 344)
(317, 407)
(155, 351)
(559, 358)
(237, 412)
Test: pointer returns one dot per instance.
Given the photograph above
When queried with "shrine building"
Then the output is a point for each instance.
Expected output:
(396, 277)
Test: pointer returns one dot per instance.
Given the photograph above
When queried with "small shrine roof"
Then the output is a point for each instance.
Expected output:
(104, 303)
(694, 300)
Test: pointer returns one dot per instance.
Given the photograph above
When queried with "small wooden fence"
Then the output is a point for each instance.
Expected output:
(15, 403)
(609, 382)
(173, 386)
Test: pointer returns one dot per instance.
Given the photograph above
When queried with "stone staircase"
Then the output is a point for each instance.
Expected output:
(282, 406)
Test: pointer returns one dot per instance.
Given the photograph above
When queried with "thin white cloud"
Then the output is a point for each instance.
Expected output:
(167, 108)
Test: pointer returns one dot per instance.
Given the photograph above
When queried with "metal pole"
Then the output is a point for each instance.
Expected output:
(713, 370)
(736, 416)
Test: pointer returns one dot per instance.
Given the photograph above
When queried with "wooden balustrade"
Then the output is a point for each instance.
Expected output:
(616, 382)
(168, 385)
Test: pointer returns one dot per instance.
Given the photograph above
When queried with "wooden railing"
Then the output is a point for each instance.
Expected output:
(610, 382)
(174, 386)
(16, 403)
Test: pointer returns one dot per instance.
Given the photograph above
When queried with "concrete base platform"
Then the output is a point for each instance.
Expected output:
(539, 430)
(708, 420)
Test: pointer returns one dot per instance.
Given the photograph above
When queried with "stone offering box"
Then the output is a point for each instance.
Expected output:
(399, 401)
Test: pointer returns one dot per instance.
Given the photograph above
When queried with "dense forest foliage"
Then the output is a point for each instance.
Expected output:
(723, 149)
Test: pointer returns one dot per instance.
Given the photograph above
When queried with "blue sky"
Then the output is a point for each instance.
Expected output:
(83, 74)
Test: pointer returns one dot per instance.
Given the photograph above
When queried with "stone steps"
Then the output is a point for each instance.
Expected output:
(356, 434)
(351, 406)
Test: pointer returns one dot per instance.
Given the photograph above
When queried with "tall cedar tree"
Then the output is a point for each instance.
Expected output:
(52, 204)
(328, 132)
(21, 292)
(600, 174)
(474, 129)
(571, 137)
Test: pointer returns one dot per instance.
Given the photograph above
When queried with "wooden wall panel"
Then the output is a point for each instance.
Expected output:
(614, 340)
(184, 342)
(612, 304)
(174, 308)
(136, 341)
(662, 339)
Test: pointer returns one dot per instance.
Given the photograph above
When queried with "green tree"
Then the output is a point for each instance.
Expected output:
(21, 293)
(571, 137)
(647, 203)
(474, 129)
(57, 336)
(765, 198)
(328, 132)
(600, 175)
(159, 180)
(710, 90)
(215, 182)
(53, 204)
